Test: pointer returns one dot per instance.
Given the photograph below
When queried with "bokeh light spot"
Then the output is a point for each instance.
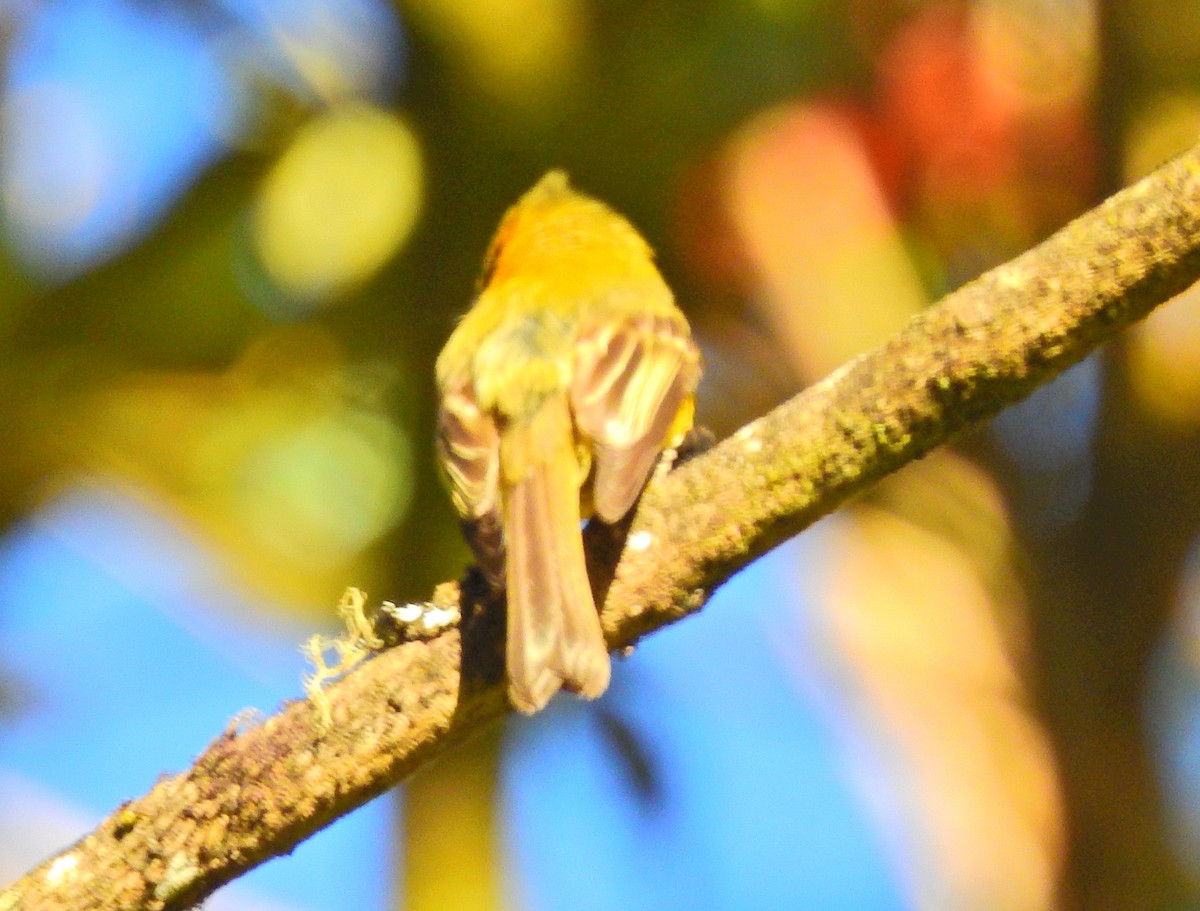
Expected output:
(340, 202)
(43, 122)
(1162, 128)
(1164, 361)
(328, 489)
(521, 52)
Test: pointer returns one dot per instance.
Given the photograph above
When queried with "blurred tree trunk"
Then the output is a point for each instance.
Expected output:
(1103, 590)
(450, 845)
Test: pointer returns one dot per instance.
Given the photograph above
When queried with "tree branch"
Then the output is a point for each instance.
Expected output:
(255, 793)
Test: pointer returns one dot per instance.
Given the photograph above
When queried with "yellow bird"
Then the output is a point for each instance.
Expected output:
(559, 389)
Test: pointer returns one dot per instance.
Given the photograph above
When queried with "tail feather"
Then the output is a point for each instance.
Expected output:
(554, 634)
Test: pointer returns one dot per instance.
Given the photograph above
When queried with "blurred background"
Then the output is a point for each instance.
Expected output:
(235, 234)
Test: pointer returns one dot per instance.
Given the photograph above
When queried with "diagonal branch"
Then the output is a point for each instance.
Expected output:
(254, 794)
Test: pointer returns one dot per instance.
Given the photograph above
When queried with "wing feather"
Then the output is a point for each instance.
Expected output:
(468, 453)
(631, 383)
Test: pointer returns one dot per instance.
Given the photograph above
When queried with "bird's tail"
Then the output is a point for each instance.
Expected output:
(554, 634)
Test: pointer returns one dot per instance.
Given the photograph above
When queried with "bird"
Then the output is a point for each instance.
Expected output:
(566, 379)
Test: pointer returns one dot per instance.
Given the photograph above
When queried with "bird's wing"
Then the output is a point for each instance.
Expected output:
(468, 453)
(633, 387)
